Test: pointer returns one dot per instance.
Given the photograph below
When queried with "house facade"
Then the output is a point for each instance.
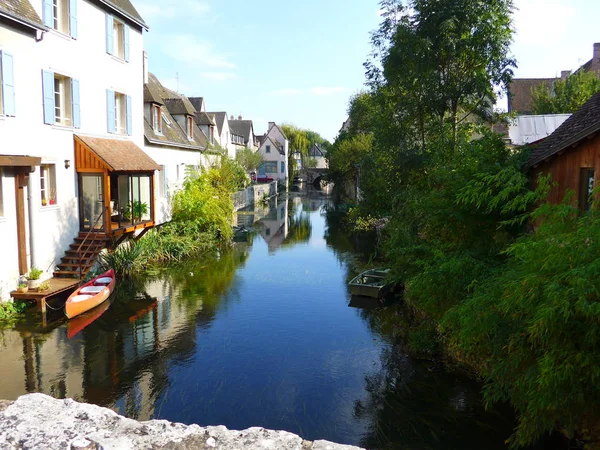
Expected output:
(174, 140)
(243, 133)
(71, 84)
(275, 151)
(571, 155)
(224, 136)
(317, 154)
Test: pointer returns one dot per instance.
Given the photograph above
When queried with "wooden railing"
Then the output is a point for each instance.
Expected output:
(92, 230)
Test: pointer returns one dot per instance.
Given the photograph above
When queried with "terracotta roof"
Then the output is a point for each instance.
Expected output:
(21, 11)
(520, 99)
(126, 8)
(582, 124)
(120, 155)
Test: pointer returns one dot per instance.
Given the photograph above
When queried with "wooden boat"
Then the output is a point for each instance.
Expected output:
(371, 283)
(91, 294)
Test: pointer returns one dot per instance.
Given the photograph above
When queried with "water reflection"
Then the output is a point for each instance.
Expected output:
(258, 336)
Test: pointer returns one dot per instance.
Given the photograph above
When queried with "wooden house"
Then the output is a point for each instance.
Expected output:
(571, 155)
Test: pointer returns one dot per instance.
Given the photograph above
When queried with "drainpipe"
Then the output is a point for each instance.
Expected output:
(30, 213)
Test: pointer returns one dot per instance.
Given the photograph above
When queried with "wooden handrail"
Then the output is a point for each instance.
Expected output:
(85, 239)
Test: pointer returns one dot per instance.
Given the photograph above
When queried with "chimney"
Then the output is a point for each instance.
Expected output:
(271, 124)
(145, 67)
(232, 117)
(596, 60)
(240, 117)
(565, 74)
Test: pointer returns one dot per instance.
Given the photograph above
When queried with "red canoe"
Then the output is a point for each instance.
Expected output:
(77, 324)
(91, 294)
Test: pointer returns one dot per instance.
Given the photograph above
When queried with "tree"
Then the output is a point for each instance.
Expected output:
(566, 96)
(249, 159)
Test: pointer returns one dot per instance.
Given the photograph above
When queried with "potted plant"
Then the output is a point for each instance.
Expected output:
(44, 286)
(44, 201)
(34, 278)
(22, 287)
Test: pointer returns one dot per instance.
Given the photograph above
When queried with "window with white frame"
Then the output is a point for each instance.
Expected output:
(1, 193)
(117, 38)
(61, 100)
(48, 184)
(63, 108)
(190, 127)
(156, 119)
(61, 15)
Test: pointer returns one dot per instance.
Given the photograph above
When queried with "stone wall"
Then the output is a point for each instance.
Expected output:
(37, 421)
(254, 194)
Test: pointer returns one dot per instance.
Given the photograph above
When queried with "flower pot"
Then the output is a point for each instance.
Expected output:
(34, 284)
(22, 290)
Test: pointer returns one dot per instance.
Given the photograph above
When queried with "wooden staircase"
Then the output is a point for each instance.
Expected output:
(84, 250)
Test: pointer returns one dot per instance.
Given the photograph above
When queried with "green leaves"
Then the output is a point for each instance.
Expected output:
(565, 96)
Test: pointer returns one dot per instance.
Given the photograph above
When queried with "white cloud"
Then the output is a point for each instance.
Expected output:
(153, 9)
(218, 76)
(319, 91)
(188, 49)
(542, 22)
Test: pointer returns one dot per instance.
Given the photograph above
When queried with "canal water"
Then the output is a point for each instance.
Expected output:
(262, 335)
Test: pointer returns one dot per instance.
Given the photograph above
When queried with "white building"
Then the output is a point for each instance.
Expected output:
(317, 154)
(274, 149)
(70, 137)
(223, 135)
(174, 140)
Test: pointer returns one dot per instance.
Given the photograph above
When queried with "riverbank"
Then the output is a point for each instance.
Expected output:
(41, 422)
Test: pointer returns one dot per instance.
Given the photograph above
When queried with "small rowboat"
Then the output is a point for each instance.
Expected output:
(371, 283)
(91, 294)
(77, 324)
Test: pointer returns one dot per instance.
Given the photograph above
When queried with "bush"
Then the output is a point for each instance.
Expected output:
(126, 260)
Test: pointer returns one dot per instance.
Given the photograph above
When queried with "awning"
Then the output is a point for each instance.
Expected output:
(19, 161)
(115, 155)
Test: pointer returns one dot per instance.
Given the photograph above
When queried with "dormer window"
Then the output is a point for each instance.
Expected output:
(190, 127)
(156, 119)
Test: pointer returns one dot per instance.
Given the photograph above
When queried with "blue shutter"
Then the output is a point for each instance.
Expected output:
(109, 34)
(126, 42)
(48, 13)
(73, 18)
(128, 115)
(48, 91)
(110, 110)
(75, 103)
(282, 167)
(8, 83)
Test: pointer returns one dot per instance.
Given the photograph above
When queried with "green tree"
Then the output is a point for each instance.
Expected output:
(249, 159)
(566, 96)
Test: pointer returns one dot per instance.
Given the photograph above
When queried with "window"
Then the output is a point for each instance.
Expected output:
(282, 167)
(48, 184)
(190, 127)
(586, 189)
(162, 182)
(156, 119)
(270, 166)
(268, 149)
(1, 193)
(61, 100)
(118, 112)
(117, 38)
(166, 119)
(61, 15)
(7, 85)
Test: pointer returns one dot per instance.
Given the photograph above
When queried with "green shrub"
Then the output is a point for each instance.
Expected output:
(126, 260)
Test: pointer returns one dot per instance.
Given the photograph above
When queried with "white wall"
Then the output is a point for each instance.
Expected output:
(276, 134)
(274, 156)
(175, 162)
(85, 59)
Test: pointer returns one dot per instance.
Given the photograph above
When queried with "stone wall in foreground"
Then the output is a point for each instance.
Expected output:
(37, 421)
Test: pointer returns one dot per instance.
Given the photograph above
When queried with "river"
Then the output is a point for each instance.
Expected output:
(261, 336)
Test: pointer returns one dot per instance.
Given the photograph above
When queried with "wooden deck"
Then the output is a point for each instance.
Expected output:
(57, 286)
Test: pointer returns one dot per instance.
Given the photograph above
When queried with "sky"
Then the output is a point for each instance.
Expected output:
(299, 61)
